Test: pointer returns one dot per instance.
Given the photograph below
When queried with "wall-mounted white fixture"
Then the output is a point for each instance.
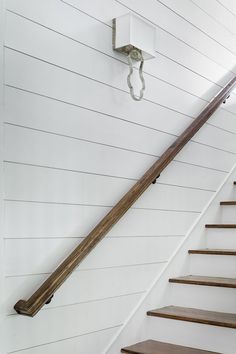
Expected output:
(135, 38)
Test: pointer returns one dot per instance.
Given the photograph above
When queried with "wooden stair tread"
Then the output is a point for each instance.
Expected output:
(220, 226)
(228, 202)
(212, 251)
(155, 347)
(206, 281)
(220, 319)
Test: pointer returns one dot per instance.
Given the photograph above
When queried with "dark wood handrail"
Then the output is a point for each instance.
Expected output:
(45, 292)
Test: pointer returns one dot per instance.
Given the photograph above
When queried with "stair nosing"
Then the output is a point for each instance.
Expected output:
(200, 320)
(138, 348)
(204, 281)
(212, 251)
(220, 226)
(228, 202)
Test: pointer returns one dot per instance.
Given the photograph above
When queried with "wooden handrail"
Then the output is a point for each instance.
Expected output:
(45, 292)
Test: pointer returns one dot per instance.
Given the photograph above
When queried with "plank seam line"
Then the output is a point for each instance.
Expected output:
(100, 51)
(98, 205)
(11, 315)
(97, 174)
(196, 27)
(226, 8)
(88, 269)
(171, 34)
(111, 57)
(110, 145)
(78, 237)
(213, 18)
(65, 339)
(101, 82)
(113, 116)
(179, 39)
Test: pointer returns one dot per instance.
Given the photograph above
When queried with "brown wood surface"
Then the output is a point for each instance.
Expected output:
(216, 252)
(220, 319)
(206, 281)
(31, 306)
(154, 347)
(230, 202)
(220, 226)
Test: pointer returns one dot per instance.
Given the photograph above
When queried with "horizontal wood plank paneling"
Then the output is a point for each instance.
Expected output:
(198, 18)
(167, 44)
(83, 156)
(65, 52)
(87, 285)
(79, 319)
(94, 342)
(26, 109)
(218, 12)
(32, 183)
(223, 119)
(40, 77)
(165, 39)
(30, 146)
(188, 176)
(229, 4)
(160, 67)
(60, 220)
(163, 31)
(111, 252)
(157, 13)
(173, 122)
(157, 91)
(190, 58)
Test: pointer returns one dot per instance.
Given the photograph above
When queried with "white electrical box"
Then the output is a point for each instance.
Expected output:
(132, 32)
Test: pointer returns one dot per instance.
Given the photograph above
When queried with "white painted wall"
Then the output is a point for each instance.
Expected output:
(2, 297)
(75, 142)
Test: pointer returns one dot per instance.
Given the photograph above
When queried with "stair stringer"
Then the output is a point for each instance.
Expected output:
(136, 327)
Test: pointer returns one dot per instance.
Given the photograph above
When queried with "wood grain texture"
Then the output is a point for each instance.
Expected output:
(156, 347)
(212, 251)
(48, 288)
(206, 281)
(220, 319)
(229, 202)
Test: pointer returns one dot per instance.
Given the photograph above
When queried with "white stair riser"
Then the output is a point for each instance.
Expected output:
(203, 297)
(221, 238)
(206, 337)
(227, 214)
(213, 265)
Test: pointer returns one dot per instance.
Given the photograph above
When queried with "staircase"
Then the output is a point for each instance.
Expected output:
(199, 315)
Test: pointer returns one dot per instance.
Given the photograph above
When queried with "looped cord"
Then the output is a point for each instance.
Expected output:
(137, 55)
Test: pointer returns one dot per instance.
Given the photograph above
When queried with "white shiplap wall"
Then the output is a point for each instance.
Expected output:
(75, 142)
(2, 317)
